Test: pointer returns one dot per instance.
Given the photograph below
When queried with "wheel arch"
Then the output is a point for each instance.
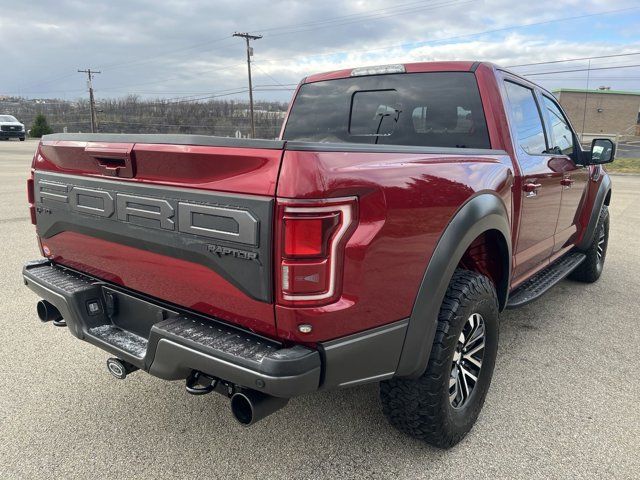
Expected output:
(489, 255)
(485, 212)
(603, 197)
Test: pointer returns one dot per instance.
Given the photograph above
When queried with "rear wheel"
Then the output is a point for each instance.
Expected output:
(22, 139)
(442, 405)
(591, 268)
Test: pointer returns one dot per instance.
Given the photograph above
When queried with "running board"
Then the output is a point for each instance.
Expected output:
(542, 281)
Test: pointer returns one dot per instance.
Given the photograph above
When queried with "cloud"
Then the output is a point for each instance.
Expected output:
(175, 48)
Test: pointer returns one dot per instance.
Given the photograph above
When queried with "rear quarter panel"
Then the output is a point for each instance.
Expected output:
(405, 203)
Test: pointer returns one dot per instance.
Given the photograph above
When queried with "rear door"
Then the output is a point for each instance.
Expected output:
(539, 185)
(189, 224)
(564, 147)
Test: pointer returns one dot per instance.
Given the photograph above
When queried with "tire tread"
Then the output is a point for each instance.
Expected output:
(416, 406)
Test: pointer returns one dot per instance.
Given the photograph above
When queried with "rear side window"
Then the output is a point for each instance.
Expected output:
(526, 119)
(439, 109)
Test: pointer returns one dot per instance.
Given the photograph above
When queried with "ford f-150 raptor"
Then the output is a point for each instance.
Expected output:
(377, 240)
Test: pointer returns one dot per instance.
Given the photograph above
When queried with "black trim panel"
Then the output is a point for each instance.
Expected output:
(481, 213)
(364, 357)
(166, 139)
(603, 190)
(298, 146)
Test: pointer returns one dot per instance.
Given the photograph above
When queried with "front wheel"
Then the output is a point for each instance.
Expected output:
(22, 139)
(442, 405)
(591, 268)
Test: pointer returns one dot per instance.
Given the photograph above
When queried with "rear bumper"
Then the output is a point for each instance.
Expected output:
(168, 342)
(171, 343)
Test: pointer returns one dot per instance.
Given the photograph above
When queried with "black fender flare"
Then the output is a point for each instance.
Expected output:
(482, 213)
(603, 191)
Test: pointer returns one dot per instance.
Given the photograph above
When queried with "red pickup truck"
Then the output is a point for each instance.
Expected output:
(377, 240)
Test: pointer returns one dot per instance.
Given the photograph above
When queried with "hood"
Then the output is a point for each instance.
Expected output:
(15, 124)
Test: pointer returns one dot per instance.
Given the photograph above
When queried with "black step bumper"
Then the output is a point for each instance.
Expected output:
(169, 342)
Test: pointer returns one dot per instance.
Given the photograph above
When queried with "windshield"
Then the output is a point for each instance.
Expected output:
(439, 109)
(7, 118)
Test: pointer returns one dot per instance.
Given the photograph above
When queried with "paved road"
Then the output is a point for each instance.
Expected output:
(564, 401)
(629, 149)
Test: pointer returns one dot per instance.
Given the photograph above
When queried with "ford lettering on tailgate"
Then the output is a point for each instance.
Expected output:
(215, 229)
(243, 227)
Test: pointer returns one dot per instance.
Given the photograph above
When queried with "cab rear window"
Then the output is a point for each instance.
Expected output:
(439, 109)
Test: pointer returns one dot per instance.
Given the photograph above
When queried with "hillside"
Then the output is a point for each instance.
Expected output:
(134, 115)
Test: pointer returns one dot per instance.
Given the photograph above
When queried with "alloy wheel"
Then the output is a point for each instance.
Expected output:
(602, 243)
(467, 361)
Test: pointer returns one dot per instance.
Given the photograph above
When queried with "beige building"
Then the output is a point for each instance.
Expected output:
(608, 112)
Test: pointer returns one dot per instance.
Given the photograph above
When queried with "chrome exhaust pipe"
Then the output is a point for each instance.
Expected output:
(251, 406)
(47, 312)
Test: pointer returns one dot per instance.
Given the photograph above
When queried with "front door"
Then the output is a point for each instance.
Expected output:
(574, 179)
(539, 186)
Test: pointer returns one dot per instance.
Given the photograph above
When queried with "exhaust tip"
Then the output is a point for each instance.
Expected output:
(251, 406)
(119, 368)
(47, 312)
(242, 409)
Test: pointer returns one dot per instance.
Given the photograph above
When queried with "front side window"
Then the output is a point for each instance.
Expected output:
(561, 134)
(526, 119)
(438, 109)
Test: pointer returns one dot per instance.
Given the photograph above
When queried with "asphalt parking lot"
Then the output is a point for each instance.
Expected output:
(564, 402)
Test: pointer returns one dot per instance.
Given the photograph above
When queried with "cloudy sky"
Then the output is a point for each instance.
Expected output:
(184, 49)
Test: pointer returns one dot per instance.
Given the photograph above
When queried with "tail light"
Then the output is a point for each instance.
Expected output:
(31, 199)
(310, 249)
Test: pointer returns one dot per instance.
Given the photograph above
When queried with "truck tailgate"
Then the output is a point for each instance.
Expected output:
(186, 219)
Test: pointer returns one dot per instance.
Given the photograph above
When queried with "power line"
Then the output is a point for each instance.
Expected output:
(581, 70)
(336, 18)
(146, 59)
(573, 59)
(267, 74)
(232, 93)
(456, 37)
(510, 27)
(601, 79)
(371, 17)
(164, 54)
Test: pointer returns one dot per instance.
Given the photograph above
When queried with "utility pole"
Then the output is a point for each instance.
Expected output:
(248, 38)
(94, 117)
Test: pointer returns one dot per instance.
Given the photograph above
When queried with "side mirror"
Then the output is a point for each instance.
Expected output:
(602, 151)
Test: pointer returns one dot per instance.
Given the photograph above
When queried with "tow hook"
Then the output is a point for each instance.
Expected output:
(199, 383)
(119, 368)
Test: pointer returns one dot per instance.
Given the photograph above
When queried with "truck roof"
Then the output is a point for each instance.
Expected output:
(419, 67)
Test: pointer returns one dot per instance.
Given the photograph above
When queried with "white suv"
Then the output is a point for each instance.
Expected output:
(11, 128)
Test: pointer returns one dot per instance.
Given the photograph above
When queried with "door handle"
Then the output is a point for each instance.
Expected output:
(115, 161)
(566, 182)
(532, 187)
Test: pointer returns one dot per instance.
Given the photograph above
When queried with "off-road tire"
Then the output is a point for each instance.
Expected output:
(591, 268)
(421, 407)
